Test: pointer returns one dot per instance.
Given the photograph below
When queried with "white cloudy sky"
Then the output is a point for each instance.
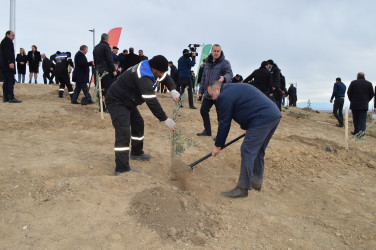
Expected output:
(312, 42)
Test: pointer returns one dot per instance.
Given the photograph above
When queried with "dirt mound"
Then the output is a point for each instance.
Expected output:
(175, 215)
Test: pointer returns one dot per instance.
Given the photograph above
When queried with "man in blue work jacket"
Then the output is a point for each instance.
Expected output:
(256, 114)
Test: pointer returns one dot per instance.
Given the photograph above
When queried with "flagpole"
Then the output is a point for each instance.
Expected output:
(12, 17)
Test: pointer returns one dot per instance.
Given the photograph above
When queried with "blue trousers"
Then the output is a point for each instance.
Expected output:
(80, 86)
(253, 151)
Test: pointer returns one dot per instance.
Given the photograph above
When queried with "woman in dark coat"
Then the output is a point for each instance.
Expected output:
(21, 60)
(33, 60)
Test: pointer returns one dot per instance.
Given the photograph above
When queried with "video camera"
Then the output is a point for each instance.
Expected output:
(192, 49)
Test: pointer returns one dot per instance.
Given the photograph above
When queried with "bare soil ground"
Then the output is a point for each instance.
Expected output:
(57, 189)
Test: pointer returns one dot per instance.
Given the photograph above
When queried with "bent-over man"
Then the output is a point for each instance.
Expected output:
(132, 88)
(256, 114)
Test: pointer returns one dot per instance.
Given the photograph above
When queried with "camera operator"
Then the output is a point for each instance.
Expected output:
(185, 63)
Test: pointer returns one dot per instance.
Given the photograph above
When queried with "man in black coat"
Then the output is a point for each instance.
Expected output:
(174, 75)
(104, 63)
(131, 59)
(46, 66)
(52, 58)
(81, 75)
(276, 81)
(261, 78)
(8, 67)
(121, 58)
(360, 92)
(292, 95)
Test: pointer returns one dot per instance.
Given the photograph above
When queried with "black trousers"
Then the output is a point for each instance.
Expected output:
(337, 109)
(8, 85)
(186, 82)
(292, 101)
(46, 75)
(80, 86)
(129, 125)
(64, 80)
(106, 82)
(205, 109)
(359, 119)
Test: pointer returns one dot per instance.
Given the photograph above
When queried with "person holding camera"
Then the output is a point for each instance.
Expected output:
(185, 63)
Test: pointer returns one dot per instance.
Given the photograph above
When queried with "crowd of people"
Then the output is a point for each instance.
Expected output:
(128, 80)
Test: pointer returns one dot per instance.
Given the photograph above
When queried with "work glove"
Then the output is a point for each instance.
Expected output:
(170, 124)
(175, 95)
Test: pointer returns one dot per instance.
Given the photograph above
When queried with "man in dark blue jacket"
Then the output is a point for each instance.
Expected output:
(256, 114)
(339, 91)
(8, 68)
(217, 68)
(81, 75)
(185, 63)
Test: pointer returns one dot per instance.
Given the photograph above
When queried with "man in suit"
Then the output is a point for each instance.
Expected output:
(131, 59)
(81, 75)
(8, 69)
(46, 66)
(360, 92)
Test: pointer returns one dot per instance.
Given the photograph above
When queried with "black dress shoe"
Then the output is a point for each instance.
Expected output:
(15, 101)
(143, 157)
(353, 133)
(256, 187)
(339, 125)
(193, 107)
(237, 192)
(203, 133)
(5, 100)
(117, 173)
(74, 102)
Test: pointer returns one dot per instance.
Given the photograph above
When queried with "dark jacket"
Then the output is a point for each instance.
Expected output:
(375, 99)
(8, 56)
(37, 58)
(143, 58)
(60, 64)
(276, 76)
(103, 58)
(115, 58)
(200, 71)
(46, 65)
(360, 92)
(21, 68)
(246, 105)
(262, 79)
(235, 80)
(212, 71)
(174, 73)
(130, 60)
(339, 90)
(184, 66)
(135, 86)
(292, 91)
(82, 71)
(121, 58)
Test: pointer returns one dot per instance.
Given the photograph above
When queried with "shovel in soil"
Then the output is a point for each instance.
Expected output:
(208, 155)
